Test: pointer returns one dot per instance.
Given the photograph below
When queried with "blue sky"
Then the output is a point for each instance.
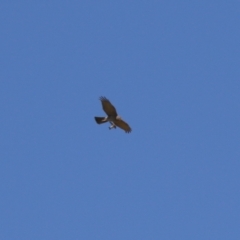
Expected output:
(171, 68)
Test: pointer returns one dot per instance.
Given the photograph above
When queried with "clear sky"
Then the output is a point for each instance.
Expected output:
(172, 70)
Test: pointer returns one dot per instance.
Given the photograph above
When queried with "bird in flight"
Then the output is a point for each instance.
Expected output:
(112, 116)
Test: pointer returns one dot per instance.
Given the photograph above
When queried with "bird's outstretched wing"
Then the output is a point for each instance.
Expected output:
(108, 108)
(123, 125)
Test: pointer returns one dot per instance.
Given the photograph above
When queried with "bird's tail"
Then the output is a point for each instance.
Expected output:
(100, 120)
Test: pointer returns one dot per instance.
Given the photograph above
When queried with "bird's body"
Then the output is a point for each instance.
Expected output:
(112, 116)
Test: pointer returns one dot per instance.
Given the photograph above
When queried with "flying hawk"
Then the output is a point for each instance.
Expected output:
(112, 116)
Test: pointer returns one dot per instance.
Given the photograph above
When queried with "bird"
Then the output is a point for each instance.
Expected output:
(112, 116)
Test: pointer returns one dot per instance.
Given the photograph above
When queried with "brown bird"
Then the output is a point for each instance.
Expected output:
(112, 116)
